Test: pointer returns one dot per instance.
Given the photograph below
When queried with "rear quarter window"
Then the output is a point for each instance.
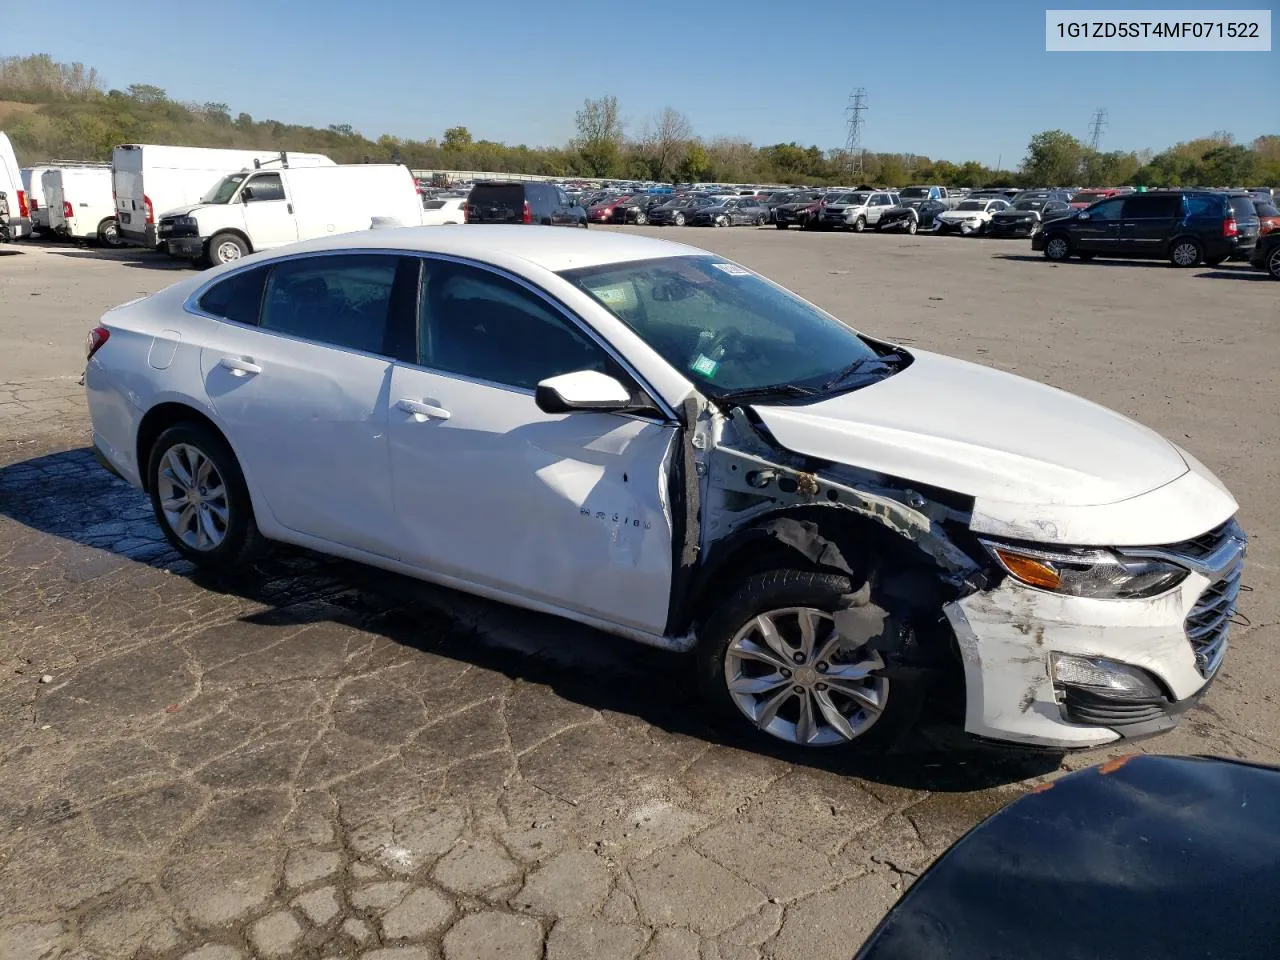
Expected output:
(237, 298)
(1243, 208)
(1202, 205)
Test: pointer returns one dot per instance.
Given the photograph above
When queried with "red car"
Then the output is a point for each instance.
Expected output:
(1086, 197)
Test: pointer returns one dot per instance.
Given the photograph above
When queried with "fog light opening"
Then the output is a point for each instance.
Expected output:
(1105, 677)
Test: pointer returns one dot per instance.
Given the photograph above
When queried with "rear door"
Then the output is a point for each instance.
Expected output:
(126, 183)
(1147, 221)
(497, 203)
(563, 212)
(302, 392)
(268, 212)
(54, 184)
(1097, 229)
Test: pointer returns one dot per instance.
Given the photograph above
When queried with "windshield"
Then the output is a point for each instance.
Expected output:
(914, 193)
(973, 205)
(724, 327)
(1029, 204)
(224, 189)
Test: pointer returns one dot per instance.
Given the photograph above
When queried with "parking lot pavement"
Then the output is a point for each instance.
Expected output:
(316, 759)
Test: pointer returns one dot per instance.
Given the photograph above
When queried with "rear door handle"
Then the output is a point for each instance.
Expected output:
(422, 411)
(240, 367)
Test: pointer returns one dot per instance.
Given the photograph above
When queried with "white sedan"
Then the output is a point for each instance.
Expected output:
(971, 216)
(653, 440)
(439, 211)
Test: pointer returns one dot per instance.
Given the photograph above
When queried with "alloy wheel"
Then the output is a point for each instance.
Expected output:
(792, 674)
(1273, 263)
(193, 497)
(1057, 249)
(1186, 254)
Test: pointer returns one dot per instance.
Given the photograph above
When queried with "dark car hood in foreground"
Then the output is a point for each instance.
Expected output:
(1144, 857)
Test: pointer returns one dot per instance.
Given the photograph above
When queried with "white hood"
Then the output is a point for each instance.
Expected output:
(1033, 457)
(964, 214)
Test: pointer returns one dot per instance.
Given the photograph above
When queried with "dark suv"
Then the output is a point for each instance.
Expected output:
(1186, 226)
(496, 201)
(1266, 255)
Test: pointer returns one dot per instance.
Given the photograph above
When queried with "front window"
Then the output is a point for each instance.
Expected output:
(224, 189)
(914, 193)
(726, 328)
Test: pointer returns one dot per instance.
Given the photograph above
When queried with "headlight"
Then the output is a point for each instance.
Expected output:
(1096, 574)
(184, 221)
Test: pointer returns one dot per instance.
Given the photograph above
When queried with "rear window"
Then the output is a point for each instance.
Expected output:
(504, 194)
(1243, 208)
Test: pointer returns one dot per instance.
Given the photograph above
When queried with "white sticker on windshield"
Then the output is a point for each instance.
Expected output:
(732, 269)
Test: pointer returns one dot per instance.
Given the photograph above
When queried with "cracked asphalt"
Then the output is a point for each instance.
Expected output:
(320, 760)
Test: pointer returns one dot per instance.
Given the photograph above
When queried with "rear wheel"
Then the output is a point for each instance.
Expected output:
(200, 498)
(1273, 263)
(1185, 252)
(226, 248)
(1057, 247)
(772, 661)
(109, 233)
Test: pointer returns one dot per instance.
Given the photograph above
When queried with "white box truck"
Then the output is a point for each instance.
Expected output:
(151, 179)
(264, 208)
(79, 204)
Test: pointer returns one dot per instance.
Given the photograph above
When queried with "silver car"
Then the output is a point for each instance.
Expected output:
(858, 210)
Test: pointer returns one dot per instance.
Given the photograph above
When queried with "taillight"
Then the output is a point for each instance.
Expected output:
(22, 204)
(151, 214)
(466, 212)
(67, 211)
(528, 213)
(97, 337)
(1230, 228)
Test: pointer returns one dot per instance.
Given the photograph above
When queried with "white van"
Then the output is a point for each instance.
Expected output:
(150, 180)
(79, 204)
(32, 178)
(12, 187)
(259, 209)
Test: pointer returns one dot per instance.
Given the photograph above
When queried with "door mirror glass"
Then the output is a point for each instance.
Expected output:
(246, 194)
(581, 390)
(1083, 216)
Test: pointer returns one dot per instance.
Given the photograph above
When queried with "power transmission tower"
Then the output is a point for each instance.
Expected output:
(853, 142)
(1098, 124)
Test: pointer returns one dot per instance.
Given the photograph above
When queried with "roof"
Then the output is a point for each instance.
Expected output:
(552, 248)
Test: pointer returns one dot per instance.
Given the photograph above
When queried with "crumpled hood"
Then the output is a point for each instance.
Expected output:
(980, 432)
(963, 214)
(186, 211)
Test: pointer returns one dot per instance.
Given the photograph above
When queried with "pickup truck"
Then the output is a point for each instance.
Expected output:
(915, 195)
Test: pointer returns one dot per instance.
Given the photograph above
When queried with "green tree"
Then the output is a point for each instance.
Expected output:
(147, 93)
(693, 167)
(1228, 166)
(1053, 158)
(456, 138)
(599, 140)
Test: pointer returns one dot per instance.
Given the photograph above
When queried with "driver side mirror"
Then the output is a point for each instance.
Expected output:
(246, 194)
(583, 390)
(1082, 216)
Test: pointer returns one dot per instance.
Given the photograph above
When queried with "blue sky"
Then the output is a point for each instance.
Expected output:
(961, 80)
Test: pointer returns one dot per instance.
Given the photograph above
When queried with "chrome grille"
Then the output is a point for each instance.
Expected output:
(1198, 548)
(1209, 621)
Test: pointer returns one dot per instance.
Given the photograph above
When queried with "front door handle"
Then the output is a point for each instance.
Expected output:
(240, 367)
(422, 411)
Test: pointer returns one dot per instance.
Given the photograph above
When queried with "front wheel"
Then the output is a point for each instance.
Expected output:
(1057, 248)
(912, 227)
(200, 498)
(860, 224)
(1185, 253)
(1273, 263)
(109, 233)
(772, 661)
(678, 219)
(722, 220)
(641, 219)
(226, 248)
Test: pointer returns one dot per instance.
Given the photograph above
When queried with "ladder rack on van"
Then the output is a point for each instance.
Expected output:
(283, 160)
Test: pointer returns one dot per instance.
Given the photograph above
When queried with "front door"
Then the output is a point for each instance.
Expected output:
(1097, 229)
(304, 394)
(268, 213)
(562, 509)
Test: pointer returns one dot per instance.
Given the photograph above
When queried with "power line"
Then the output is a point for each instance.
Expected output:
(853, 142)
(1096, 126)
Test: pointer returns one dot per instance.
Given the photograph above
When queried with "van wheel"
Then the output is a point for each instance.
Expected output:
(772, 662)
(200, 498)
(1185, 253)
(226, 248)
(1057, 247)
(109, 233)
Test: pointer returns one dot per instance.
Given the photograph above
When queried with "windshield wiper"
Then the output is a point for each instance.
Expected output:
(886, 359)
(769, 392)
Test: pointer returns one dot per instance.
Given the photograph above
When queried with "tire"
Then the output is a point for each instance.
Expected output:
(860, 224)
(781, 226)
(722, 220)
(912, 227)
(1273, 262)
(202, 536)
(584, 224)
(226, 248)
(109, 233)
(1185, 252)
(1057, 248)
(761, 220)
(641, 219)
(678, 219)
(782, 596)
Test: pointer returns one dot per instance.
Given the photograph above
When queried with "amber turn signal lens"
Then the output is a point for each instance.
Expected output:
(1029, 570)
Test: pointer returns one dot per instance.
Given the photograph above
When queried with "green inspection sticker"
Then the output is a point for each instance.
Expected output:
(705, 366)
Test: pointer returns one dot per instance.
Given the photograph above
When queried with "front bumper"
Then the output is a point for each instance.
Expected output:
(186, 247)
(1006, 637)
(1012, 228)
